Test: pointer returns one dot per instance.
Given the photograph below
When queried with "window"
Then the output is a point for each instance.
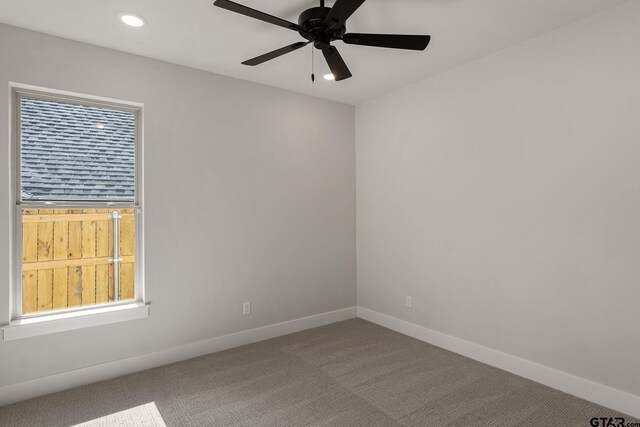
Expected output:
(78, 195)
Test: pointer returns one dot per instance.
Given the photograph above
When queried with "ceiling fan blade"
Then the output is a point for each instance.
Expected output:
(276, 53)
(256, 14)
(341, 11)
(336, 64)
(394, 41)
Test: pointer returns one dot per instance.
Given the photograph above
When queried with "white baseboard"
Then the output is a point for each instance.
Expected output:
(577, 386)
(580, 387)
(65, 380)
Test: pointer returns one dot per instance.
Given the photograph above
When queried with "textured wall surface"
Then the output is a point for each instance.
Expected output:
(249, 196)
(504, 197)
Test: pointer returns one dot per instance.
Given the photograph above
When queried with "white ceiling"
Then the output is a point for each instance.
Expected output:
(196, 34)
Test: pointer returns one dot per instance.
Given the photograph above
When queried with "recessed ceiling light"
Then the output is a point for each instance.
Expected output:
(131, 19)
(100, 125)
(329, 77)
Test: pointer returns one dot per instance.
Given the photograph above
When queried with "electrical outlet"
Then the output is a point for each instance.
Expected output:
(407, 301)
(246, 308)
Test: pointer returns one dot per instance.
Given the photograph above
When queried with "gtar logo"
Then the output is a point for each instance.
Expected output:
(607, 422)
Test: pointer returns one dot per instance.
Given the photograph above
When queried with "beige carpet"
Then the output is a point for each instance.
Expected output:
(351, 373)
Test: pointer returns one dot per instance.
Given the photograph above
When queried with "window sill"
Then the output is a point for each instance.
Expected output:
(44, 325)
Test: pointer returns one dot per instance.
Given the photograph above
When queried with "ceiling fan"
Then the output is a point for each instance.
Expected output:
(323, 25)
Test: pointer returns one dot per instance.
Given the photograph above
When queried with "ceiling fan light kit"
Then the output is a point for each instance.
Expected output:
(322, 26)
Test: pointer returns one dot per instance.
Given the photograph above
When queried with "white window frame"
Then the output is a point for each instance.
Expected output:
(17, 91)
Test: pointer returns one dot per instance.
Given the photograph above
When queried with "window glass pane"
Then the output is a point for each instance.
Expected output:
(74, 152)
(68, 258)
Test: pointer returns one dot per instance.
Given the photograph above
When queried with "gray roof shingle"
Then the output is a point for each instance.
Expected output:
(75, 152)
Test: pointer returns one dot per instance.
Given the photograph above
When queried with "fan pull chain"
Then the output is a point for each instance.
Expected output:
(313, 75)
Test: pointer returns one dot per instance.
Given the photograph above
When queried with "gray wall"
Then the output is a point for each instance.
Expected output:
(250, 195)
(504, 197)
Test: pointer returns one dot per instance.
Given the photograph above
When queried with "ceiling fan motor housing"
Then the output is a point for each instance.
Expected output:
(313, 20)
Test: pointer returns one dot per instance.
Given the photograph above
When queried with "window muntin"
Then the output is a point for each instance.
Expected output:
(78, 203)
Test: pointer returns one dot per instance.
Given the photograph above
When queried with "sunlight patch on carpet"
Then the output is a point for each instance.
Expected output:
(146, 415)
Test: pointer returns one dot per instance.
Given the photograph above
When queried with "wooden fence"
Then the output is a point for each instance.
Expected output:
(67, 257)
